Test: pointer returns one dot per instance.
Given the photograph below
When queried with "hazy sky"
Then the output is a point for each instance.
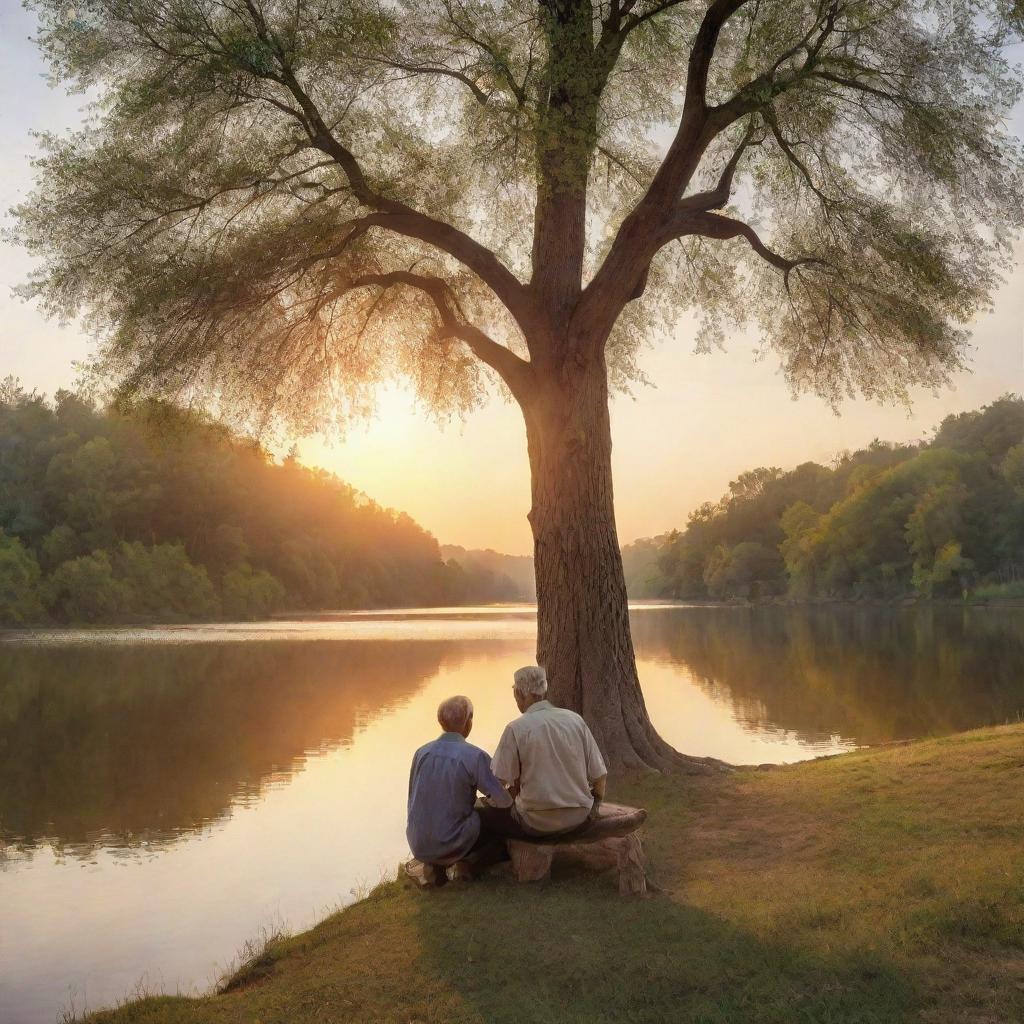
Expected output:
(709, 418)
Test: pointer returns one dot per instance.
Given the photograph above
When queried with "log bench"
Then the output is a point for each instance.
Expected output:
(613, 829)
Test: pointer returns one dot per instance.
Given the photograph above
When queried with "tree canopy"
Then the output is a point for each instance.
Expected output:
(890, 521)
(282, 203)
(152, 513)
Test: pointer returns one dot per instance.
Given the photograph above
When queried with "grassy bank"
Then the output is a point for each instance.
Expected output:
(880, 886)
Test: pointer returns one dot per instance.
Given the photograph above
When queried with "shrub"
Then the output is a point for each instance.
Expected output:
(249, 593)
(85, 589)
(19, 582)
(163, 583)
(1011, 591)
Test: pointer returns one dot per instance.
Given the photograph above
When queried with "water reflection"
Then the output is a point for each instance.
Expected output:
(865, 674)
(166, 793)
(137, 744)
(137, 741)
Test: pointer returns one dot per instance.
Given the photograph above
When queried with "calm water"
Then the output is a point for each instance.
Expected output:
(166, 793)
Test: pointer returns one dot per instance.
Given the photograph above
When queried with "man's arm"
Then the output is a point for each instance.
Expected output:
(596, 768)
(597, 772)
(505, 763)
(489, 784)
(597, 787)
(412, 772)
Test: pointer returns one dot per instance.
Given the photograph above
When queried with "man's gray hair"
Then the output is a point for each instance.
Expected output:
(454, 713)
(531, 681)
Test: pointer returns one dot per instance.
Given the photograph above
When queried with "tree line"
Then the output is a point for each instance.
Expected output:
(936, 519)
(154, 513)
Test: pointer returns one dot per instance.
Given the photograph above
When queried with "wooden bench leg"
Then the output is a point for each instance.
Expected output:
(530, 862)
(632, 877)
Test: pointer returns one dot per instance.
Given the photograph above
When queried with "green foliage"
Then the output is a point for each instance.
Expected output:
(947, 567)
(241, 214)
(640, 563)
(747, 570)
(19, 582)
(1013, 468)
(886, 522)
(1013, 591)
(799, 523)
(251, 593)
(992, 430)
(134, 581)
(151, 513)
(161, 583)
(85, 589)
(496, 576)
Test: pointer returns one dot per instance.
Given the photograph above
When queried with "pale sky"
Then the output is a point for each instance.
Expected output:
(676, 445)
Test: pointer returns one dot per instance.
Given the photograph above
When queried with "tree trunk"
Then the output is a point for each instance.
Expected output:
(583, 635)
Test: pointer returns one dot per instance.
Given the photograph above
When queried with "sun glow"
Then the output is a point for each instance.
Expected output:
(465, 481)
(678, 444)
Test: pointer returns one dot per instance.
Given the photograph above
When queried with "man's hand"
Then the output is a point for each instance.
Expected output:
(597, 787)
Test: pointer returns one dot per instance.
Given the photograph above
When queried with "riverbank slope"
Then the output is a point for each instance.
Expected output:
(884, 885)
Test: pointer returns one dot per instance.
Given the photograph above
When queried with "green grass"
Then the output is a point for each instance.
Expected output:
(873, 888)
(255, 960)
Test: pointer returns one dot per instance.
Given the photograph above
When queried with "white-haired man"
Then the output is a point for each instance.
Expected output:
(548, 759)
(443, 827)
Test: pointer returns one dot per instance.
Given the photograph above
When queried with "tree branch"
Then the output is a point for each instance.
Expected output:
(791, 155)
(703, 52)
(415, 68)
(635, 19)
(717, 197)
(758, 94)
(718, 226)
(518, 90)
(402, 218)
(513, 370)
(623, 274)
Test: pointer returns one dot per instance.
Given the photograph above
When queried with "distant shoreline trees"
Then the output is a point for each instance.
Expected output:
(891, 521)
(157, 514)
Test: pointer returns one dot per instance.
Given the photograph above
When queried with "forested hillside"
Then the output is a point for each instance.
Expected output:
(935, 519)
(513, 574)
(160, 514)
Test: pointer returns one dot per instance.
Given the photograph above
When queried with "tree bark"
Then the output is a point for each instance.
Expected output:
(583, 634)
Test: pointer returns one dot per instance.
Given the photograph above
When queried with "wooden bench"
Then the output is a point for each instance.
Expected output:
(613, 829)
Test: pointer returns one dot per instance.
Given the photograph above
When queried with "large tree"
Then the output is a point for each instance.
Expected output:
(279, 203)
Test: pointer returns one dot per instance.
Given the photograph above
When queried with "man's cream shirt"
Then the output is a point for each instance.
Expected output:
(553, 756)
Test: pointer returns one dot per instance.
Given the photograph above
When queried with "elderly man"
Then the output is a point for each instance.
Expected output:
(443, 826)
(549, 760)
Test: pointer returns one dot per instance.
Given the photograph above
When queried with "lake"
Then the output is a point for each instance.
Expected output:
(167, 793)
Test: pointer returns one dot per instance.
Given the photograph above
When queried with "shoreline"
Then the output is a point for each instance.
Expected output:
(880, 884)
(524, 608)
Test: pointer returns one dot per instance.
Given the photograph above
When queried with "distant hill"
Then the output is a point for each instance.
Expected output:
(511, 574)
(940, 518)
(640, 564)
(153, 513)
